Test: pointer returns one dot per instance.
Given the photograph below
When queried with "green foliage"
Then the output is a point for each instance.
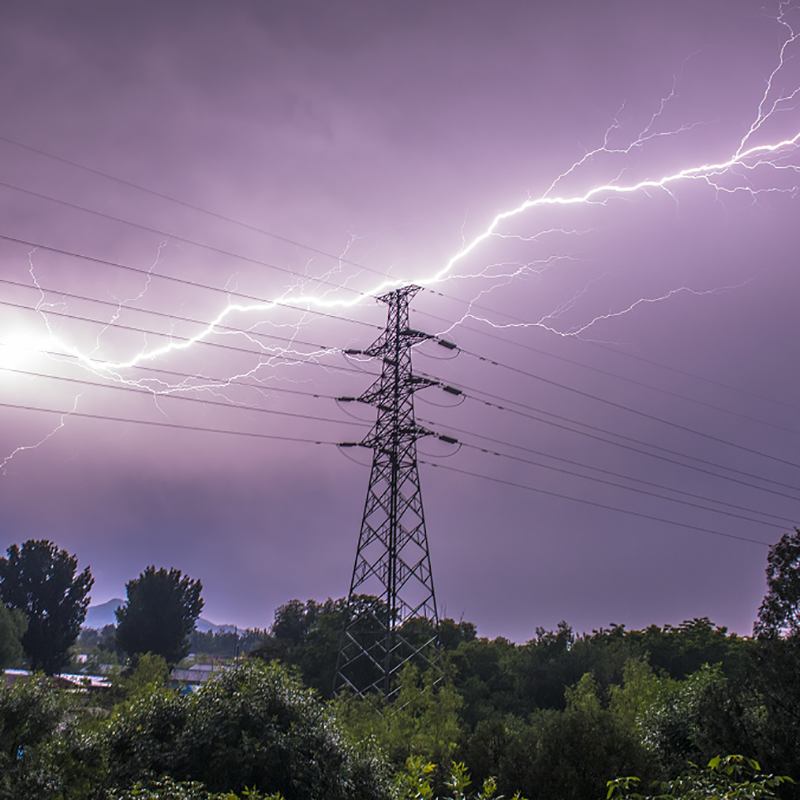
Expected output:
(160, 613)
(560, 755)
(486, 678)
(149, 674)
(306, 636)
(692, 720)
(772, 688)
(779, 613)
(421, 720)
(254, 726)
(414, 783)
(228, 644)
(168, 789)
(140, 740)
(257, 726)
(44, 751)
(725, 778)
(13, 624)
(452, 633)
(40, 581)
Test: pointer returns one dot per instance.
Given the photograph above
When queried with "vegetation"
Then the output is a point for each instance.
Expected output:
(160, 613)
(13, 624)
(560, 717)
(40, 581)
(780, 612)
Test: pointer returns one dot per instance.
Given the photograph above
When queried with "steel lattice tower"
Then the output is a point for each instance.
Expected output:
(392, 616)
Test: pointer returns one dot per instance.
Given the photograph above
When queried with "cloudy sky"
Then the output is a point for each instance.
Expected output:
(200, 202)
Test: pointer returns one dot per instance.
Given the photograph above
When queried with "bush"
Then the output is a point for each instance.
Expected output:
(254, 726)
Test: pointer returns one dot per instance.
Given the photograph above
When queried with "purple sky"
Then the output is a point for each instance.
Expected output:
(378, 140)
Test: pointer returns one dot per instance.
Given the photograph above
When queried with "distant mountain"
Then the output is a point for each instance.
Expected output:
(101, 615)
(204, 626)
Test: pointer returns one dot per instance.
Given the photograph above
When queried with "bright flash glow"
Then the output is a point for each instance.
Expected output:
(726, 175)
(20, 347)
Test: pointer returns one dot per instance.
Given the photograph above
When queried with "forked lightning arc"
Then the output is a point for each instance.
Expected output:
(725, 175)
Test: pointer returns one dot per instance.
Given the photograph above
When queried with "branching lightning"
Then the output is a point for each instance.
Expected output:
(726, 175)
(62, 422)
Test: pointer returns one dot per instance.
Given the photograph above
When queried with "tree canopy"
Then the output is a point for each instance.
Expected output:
(160, 613)
(13, 625)
(780, 610)
(40, 581)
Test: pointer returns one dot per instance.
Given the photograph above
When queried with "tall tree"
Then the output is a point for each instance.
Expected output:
(13, 625)
(160, 613)
(40, 581)
(779, 613)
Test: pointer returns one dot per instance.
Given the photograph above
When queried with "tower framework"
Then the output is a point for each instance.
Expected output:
(392, 617)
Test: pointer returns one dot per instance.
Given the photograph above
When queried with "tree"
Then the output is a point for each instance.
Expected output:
(734, 777)
(253, 726)
(780, 610)
(40, 581)
(160, 613)
(13, 625)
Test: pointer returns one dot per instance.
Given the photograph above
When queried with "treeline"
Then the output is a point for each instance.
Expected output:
(561, 717)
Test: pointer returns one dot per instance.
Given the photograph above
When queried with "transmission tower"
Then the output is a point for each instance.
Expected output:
(392, 616)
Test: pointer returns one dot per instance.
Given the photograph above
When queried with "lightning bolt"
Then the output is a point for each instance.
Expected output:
(732, 174)
(7, 460)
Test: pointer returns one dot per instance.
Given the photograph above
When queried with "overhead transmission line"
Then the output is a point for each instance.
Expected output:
(251, 434)
(131, 328)
(616, 376)
(184, 281)
(184, 239)
(120, 306)
(608, 349)
(360, 266)
(191, 206)
(259, 334)
(326, 282)
(592, 503)
(172, 425)
(644, 492)
(219, 383)
(590, 467)
(340, 259)
(621, 407)
(229, 406)
(235, 406)
(696, 459)
(549, 422)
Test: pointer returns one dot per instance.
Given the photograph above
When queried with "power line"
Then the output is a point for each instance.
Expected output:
(259, 353)
(190, 206)
(172, 317)
(177, 238)
(182, 281)
(131, 328)
(194, 428)
(219, 382)
(592, 503)
(259, 409)
(470, 304)
(629, 439)
(182, 398)
(621, 407)
(462, 432)
(615, 375)
(644, 492)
